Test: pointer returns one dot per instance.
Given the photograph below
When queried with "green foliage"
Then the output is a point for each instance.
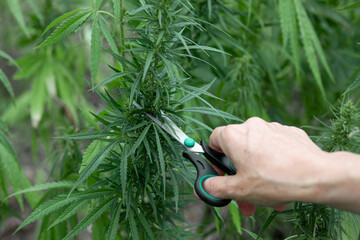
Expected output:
(11, 174)
(70, 25)
(121, 158)
(15, 8)
(117, 171)
(342, 133)
(3, 78)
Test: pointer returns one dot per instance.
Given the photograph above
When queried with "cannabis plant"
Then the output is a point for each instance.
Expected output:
(117, 174)
(132, 170)
(340, 135)
(11, 175)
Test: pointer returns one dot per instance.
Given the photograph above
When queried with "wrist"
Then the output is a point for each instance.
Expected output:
(336, 181)
(313, 183)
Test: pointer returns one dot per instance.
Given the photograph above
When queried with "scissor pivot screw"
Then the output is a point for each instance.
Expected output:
(189, 142)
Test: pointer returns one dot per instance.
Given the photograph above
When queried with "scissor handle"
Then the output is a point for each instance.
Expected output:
(204, 171)
(218, 159)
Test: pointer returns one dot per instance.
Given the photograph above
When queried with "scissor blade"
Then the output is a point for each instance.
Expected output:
(173, 130)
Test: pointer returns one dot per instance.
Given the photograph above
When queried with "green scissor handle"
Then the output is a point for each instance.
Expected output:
(204, 171)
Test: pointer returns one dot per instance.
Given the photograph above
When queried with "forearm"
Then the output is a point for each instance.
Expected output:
(338, 182)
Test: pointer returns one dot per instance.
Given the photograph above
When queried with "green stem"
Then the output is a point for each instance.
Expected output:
(107, 13)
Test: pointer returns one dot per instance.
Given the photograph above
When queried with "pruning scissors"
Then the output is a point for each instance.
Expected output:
(192, 152)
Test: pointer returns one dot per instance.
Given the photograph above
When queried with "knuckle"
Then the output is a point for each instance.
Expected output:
(298, 130)
(301, 131)
(254, 121)
(228, 132)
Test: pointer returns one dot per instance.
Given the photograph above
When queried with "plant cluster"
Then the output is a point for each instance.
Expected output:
(203, 64)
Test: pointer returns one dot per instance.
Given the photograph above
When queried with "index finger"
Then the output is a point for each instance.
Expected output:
(214, 142)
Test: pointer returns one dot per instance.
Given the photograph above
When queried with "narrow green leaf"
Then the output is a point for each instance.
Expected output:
(15, 176)
(145, 224)
(90, 152)
(199, 123)
(140, 9)
(5, 142)
(92, 166)
(235, 215)
(199, 91)
(218, 216)
(91, 217)
(6, 83)
(15, 9)
(47, 208)
(4, 209)
(354, 85)
(139, 140)
(319, 50)
(70, 211)
(285, 19)
(289, 29)
(4, 128)
(147, 147)
(66, 28)
(108, 36)
(121, 59)
(60, 19)
(97, 4)
(147, 64)
(210, 111)
(207, 103)
(45, 186)
(95, 53)
(112, 78)
(267, 223)
(161, 158)
(149, 194)
(209, 5)
(114, 223)
(117, 10)
(160, 18)
(36, 10)
(294, 43)
(134, 92)
(180, 37)
(9, 58)
(308, 37)
(351, 6)
(39, 96)
(90, 135)
(174, 183)
(140, 125)
(255, 236)
(123, 172)
(203, 48)
(133, 228)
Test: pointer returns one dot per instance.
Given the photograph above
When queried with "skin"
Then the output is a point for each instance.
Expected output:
(279, 164)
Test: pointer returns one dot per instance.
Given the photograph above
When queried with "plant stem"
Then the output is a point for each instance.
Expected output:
(107, 13)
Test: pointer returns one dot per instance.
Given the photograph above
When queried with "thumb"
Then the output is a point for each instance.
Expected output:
(223, 187)
(220, 186)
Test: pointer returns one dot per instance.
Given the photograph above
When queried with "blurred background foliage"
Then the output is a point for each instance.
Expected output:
(291, 61)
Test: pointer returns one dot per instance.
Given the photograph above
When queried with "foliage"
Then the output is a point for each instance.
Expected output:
(203, 63)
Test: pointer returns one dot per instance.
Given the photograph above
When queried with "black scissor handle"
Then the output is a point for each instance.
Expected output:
(218, 159)
(204, 171)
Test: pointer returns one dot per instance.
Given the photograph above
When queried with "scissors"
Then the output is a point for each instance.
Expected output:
(193, 152)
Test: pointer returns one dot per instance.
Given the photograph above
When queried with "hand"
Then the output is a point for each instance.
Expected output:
(274, 163)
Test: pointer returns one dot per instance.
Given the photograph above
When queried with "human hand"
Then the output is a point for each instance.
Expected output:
(275, 164)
